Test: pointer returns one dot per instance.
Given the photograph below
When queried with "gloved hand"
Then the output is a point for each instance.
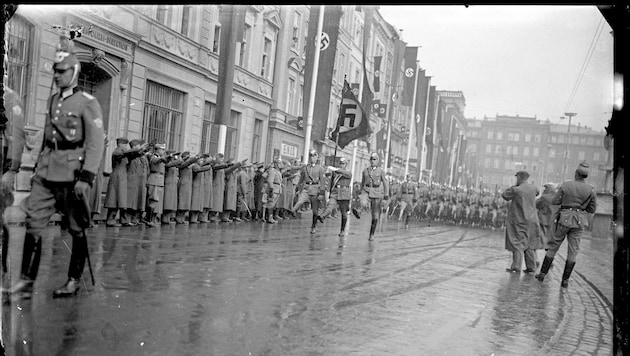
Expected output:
(81, 189)
(8, 179)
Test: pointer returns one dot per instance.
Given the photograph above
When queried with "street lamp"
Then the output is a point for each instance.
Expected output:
(566, 150)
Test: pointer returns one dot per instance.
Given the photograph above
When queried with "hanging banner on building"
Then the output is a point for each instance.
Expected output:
(352, 122)
(377, 73)
(376, 106)
(332, 15)
(422, 100)
(382, 110)
(428, 132)
(356, 87)
(411, 55)
(366, 94)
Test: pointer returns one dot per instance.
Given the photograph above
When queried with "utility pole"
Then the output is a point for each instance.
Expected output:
(308, 127)
(566, 150)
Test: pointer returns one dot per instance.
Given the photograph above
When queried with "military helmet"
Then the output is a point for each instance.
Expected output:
(66, 59)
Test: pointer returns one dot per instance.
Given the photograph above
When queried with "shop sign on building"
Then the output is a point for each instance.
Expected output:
(289, 150)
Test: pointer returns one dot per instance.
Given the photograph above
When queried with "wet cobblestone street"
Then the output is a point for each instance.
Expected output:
(259, 289)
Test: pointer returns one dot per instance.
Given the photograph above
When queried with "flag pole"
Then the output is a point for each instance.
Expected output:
(411, 122)
(308, 127)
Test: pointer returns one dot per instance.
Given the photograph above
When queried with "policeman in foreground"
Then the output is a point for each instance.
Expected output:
(66, 168)
(576, 199)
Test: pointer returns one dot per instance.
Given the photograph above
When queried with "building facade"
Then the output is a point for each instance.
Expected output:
(500, 146)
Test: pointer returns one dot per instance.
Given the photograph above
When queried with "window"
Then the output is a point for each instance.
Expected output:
(526, 150)
(561, 139)
(242, 55)
(576, 140)
(581, 155)
(550, 168)
(496, 163)
(596, 156)
(265, 68)
(186, 17)
(297, 24)
(534, 167)
(507, 164)
(488, 148)
(499, 136)
(583, 141)
(515, 151)
(209, 142)
(258, 124)
(497, 149)
(537, 138)
(301, 102)
(554, 139)
(490, 135)
(216, 39)
(486, 163)
(509, 150)
(19, 33)
(342, 66)
(517, 137)
(290, 93)
(162, 12)
(231, 138)
(510, 136)
(528, 137)
(536, 152)
(590, 141)
(552, 153)
(163, 114)
(473, 147)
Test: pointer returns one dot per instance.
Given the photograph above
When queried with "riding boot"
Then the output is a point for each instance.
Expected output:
(344, 221)
(544, 269)
(276, 211)
(373, 228)
(111, 218)
(568, 268)
(75, 269)
(30, 264)
(194, 215)
(314, 223)
(407, 221)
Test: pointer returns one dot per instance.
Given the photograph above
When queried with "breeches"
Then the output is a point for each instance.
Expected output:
(573, 236)
(46, 198)
(304, 197)
(375, 204)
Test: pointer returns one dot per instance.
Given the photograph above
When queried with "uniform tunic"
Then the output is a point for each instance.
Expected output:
(407, 192)
(274, 186)
(155, 184)
(374, 187)
(242, 190)
(171, 179)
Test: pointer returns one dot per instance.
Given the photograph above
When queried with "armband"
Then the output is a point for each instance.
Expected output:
(86, 176)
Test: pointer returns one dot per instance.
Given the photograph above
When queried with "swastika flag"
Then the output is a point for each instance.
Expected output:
(353, 122)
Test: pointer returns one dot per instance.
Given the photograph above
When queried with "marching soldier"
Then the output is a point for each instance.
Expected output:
(340, 194)
(196, 204)
(313, 183)
(155, 185)
(576, 199)
(66, 168)
(171, 179)
(375, 189)
(184, 187)
(407, 193)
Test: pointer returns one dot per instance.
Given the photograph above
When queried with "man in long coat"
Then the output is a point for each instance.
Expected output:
(546, 210)
(229, 202)
(207, 189)
(242, 192)
(116, 198)
(155, 185)
(184, 187)
(521, 235)
(171, 178)
(137, 175)
(197, 200)
(258, 191)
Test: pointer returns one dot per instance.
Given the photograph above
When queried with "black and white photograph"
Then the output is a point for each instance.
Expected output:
(314, 179)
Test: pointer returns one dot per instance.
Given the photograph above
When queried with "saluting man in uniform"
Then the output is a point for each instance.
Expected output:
(407, 192)
(340, 194)
(274, 188)
(155, 185)
(375, 189)
(313, 183)
(576, 199)
(66, 168)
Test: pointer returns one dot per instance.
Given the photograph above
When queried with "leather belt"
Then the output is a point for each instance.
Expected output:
(277, 183)
(372, 186)
(63, 145)
(345, 186)
(571, 208)
(311, 183)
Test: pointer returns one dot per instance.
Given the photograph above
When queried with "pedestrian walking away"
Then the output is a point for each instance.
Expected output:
(375, 189)
(577, 200)
(522, 236)
(65, 170)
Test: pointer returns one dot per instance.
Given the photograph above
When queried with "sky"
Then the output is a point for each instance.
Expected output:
(515, 60)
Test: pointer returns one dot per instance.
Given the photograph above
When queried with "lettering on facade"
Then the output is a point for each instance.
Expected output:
(289, 150)
(114, 42)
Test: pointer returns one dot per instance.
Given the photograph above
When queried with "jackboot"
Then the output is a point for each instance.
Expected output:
(407, 221)
(270, 218)
(544, 269)
(344, 221)
(568, 268)
(30, 265)
(356, 213)
(78, 255)
(314, 222)
(373, 229)
(69, 289)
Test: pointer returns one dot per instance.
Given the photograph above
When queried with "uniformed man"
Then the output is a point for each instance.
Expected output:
(184, 187)
(258, 191)
(155, 185)
(207, 189)
(274, 188)
(137, 174)
(340, 193)
(229, 201)
(375, 189)
(242, 192)
(171, 179)
(407, 193)
(117, 197)
(313, 182)
(576, 199)
(196, 204)
(66, 168)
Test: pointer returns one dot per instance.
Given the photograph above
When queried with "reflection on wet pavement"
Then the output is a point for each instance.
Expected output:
(228, 289)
